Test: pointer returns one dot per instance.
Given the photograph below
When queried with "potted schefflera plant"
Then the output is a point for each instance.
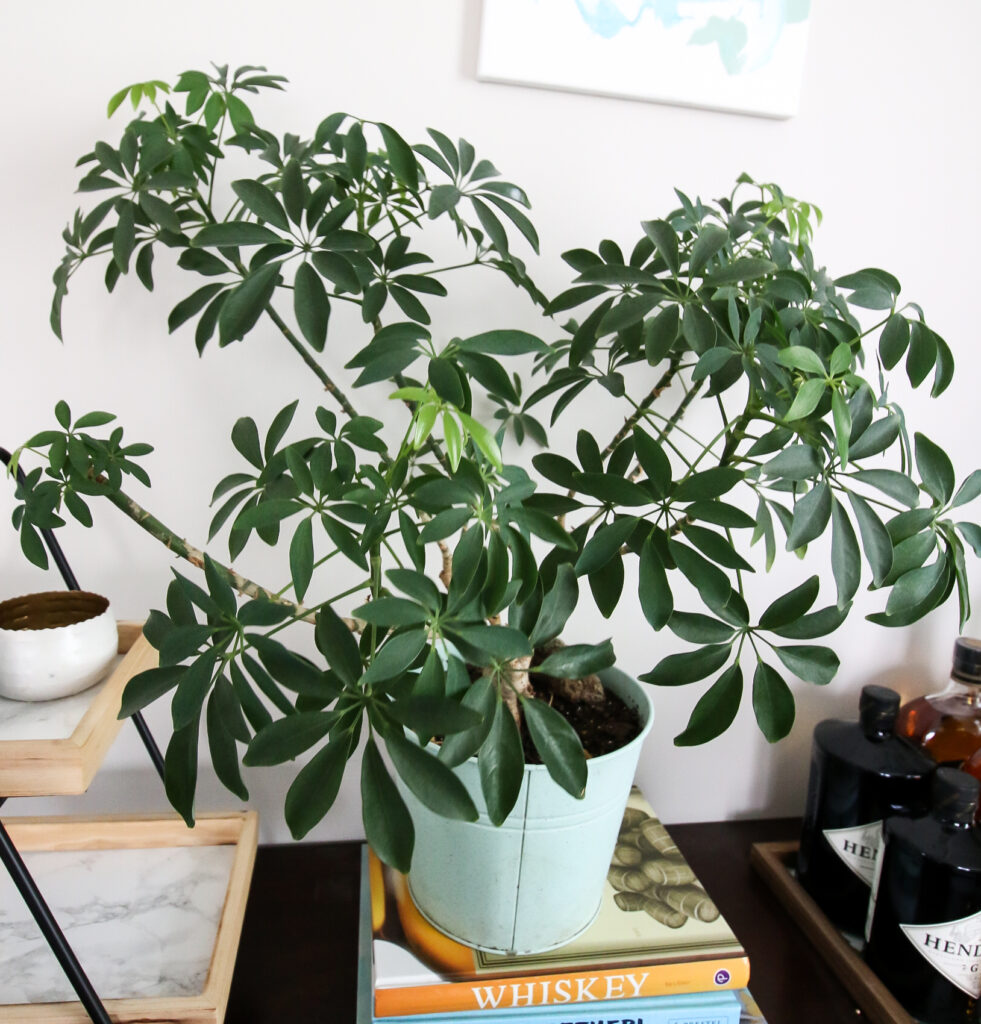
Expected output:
(441, 660)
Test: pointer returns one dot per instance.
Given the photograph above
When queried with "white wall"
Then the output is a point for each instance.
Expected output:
(886, 142)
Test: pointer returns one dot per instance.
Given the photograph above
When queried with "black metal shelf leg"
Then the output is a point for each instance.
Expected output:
(149, 742)
(50, 929)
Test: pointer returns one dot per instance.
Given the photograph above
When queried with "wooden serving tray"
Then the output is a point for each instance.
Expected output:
(65, 764)
(774, 861)
(115, 836)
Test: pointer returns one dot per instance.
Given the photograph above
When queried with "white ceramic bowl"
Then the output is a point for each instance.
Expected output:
(54, 644)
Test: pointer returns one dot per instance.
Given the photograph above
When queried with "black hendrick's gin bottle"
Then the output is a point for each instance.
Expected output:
(924, 938)
(860, 774)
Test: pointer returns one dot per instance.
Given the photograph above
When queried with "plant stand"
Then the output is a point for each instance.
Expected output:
(56, 749)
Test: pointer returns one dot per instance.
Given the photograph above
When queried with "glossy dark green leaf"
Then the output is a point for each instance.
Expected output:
(430, 716)
(498, 642)
(219, 588)
(147, 686)
(716, 709)
(935, 469)
(301, 558)
(798, 462)
(606, 585)
(698, 329)
(699, 629)
(181, 770)
(224, 753)
(431, 780)
(398, 654)
(709, 483)
(262, 201)
(891, 482)
(710, 240)
(604, 544)
(292, 671)
(501, 765)
(894, 340)
(481, 698)
(715, 547)
(653, 461)
(913, 588)
(337, 644)
(814, 624)
(968, 490)
(792, 605)
(660, 334)
(665, 242)
(228, 706)
(747, 268)
(814, 664)
(875, 538)
(311, 306)
(193, 304)
(708, 579)
(235, 233)
(392, 611)
(922, 353)
(314, 790)
(557, 605)
(845, 555)
(688, 667)
(246, 303)
(773, 703)
(388, 825)
(401, 157)
(811, 516)
(558, 746)
(877, 437)
(578, 660)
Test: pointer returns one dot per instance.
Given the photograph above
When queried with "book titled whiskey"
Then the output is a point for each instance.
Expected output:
(657, 932)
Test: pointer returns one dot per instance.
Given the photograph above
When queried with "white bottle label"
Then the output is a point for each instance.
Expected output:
(953, 948)
(858, 847)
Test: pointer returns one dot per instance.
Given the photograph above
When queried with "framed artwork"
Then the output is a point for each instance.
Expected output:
(735, 55)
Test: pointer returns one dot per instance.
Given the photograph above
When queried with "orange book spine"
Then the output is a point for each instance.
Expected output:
(575, 987)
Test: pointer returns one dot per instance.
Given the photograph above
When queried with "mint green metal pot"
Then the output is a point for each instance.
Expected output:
(535, 882)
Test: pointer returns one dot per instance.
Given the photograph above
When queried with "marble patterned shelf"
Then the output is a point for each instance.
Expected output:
(153, 910)
(54, 748)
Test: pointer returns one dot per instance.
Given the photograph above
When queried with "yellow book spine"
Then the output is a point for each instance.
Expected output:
(556, 989)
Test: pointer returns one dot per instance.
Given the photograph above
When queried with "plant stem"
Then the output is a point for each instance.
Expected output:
(628, 424)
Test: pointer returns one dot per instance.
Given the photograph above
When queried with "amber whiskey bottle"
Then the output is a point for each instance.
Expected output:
(924, 936)
(947, 725)
(861, 773)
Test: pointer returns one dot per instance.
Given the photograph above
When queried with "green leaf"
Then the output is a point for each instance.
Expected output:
(653, 588)
(715, 710)
(558, 745)
(246, 303)
(747, 268)
(387, 824)
(432, 781)
(146, 687)
(433, 715)
(698, 329)
(262, 201)
(311, 305)
(219, 588)
(291, 671)
(604, 544)
(235, 233)
(653, 461)
(660, 334)
(665, 242)
(812, 663)
(799, 357)
(811, 515)
(798, 462)
(897, 485)
(792, 605)
(710, 483)
(124, 237)
(710, 240)
(699, 629)
(498, 642)
(922, 353)
(401, 157)
(501, 765)
(913, 588)
(875, 538)
(337, 644)
(481, 697)
(398, 654)
(968, 490)
(392, 611)
(193, 304)
(807, 399)
(688, 667)
(245, 438)
(301, 558)
(773, 703)
(181, 770)
(845, 555)
(708, 579)
(578, 660)
(877, 437)
(314, 790)
(935, 469)
(557, 605)
(894, 340)
(819, 623)
(287, 738)
(503, 343)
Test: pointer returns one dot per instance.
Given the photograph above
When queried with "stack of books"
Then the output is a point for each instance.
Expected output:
(658, 952)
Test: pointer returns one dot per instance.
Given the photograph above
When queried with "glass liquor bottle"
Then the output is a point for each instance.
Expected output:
(947, 725)
(924, 936)
(861, 772)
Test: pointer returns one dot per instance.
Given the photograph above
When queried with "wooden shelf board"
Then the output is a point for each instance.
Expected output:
(207, 1007)
(64, 767)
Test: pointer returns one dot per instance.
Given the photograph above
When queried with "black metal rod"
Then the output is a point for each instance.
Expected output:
(17, 870)
(149, 742)
(46, 535)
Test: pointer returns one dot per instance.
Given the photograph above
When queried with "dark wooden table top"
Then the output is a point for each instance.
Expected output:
(297, 960)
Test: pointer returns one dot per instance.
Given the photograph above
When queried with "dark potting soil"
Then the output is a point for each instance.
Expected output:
(601, 727)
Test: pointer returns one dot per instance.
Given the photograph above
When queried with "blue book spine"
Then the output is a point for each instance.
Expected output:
(698, 1008)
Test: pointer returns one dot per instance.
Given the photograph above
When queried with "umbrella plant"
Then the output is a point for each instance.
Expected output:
(463, 566)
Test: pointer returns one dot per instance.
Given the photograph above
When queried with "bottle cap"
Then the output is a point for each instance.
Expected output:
(955, 795)
(967, 659)
(877, 709)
